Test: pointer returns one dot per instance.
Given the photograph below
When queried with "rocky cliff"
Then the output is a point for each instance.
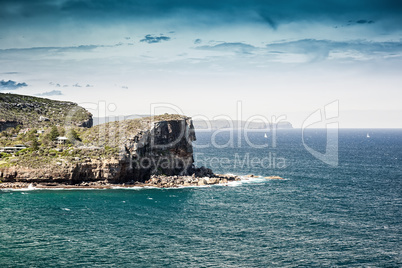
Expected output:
(165, 149)
(5, 124)
(148, 146)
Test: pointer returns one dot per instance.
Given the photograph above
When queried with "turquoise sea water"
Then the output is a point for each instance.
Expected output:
(349, 215)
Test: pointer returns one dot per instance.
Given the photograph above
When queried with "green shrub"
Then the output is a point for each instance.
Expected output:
(23, 151)
(54, 133)
(4, 155)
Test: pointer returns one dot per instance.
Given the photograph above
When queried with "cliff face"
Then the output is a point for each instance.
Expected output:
(163, 147)
(5, 124)
(90, 170)
(166, 149)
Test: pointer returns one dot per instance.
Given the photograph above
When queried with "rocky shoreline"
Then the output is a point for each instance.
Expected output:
(158, 181)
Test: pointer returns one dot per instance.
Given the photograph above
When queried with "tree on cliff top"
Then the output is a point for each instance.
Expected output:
(34, 144)
(54, 133)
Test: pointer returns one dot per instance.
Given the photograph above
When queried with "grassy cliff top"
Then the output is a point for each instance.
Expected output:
(113, 131)
(37, 112)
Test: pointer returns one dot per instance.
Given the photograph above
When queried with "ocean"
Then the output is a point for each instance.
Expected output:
(340, 208)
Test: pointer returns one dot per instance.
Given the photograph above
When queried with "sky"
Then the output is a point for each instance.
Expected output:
(209, 59)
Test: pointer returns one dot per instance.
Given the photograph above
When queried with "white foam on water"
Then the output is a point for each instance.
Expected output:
(127, 188)
(283, 179)
(255, 179)
(244, 179)
(17, 190)
(68, 189)
(190, 186)
(234, 183)
(66, 209)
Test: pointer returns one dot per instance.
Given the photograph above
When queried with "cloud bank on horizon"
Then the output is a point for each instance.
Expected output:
(303, 53)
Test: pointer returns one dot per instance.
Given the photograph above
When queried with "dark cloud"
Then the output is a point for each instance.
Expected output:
(364, 21)
(271, 12)
(197, 41)
(267, 18)
(50, 93)
(88, 85)
(356, 22)
(150, 39)
(11, 85)
(76, 85)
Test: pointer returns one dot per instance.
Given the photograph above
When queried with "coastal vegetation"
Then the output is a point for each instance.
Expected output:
(44, 147)
(35, 112)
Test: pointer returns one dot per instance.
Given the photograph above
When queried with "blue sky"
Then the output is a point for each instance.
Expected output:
(276, 57)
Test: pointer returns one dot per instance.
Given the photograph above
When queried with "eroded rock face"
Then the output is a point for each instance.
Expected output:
(166, 149)
(8, 124)
(93, 170)
(87, 123)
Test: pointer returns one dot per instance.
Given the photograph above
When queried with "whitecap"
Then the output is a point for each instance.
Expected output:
(127, 188)
(234, 183)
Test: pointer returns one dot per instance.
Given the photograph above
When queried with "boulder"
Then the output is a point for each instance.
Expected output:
(213, 180)
(203, 172)
(202, 181)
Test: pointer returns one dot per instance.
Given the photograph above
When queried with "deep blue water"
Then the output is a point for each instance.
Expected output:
(345, 215)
